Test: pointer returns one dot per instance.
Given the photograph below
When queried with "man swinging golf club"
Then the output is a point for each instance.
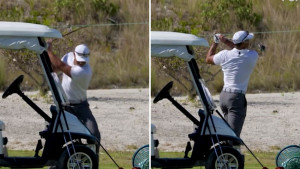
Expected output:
(237, 65)
(77, 74)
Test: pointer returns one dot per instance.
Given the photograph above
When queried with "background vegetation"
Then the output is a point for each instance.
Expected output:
(277, 68)
(119, 53)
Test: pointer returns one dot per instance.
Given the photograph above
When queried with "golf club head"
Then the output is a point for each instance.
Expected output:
(262, 47)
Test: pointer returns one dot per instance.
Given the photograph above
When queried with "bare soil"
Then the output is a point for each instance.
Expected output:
(272, 122)
(122, 116)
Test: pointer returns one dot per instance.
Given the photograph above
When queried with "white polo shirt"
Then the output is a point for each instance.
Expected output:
(76, 87)
(237, 66)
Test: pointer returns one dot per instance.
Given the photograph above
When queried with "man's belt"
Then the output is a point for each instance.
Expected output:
(229, 90)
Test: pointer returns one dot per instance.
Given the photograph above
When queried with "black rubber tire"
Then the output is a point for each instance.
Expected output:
(62, 163)
(230, 152)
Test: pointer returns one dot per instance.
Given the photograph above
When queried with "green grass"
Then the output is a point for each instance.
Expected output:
(266, 158)
(123, 158)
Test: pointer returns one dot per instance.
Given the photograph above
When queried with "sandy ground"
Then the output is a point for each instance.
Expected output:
(122, 116)
(272, 122)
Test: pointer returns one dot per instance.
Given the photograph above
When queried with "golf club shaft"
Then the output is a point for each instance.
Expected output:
(240, 139)
(252, 153)
(74, 31)
(109, 155)
(66, 34)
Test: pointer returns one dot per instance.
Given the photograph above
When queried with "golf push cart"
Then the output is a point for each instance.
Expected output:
(214, 140)
(67, 142)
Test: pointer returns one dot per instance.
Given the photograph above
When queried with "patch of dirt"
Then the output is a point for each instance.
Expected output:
(122, 116)
(272, 120)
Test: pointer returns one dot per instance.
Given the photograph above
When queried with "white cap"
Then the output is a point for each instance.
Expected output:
(82, 53)
(241, 36)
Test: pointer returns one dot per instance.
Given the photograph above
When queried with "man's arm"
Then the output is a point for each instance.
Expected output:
(57, 64)
(210, 54)
(226, 41)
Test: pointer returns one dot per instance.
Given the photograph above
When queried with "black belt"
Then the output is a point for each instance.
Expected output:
(229, 90)
(75, 103)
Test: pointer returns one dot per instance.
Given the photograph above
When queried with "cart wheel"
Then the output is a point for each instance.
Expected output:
(230, 159)
(83, 158)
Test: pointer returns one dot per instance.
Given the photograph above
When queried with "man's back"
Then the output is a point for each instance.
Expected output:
(237, 66)
(75, 86)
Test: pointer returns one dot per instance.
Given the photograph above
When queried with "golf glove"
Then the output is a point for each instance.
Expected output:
(216, 38)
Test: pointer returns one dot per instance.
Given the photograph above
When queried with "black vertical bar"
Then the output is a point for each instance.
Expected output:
(34, 106)
(48, 69)
(184, 111)
(195, 72)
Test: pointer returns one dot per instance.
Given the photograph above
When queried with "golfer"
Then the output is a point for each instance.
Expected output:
(76, 77)
(237, 65)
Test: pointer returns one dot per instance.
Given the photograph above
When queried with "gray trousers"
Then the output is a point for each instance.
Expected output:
(234, 107)
(84, 114)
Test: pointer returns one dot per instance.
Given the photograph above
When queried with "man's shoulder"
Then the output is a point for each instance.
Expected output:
(222, 52)
(225, 50)
(67, 57)
(85, 70)
(253, 53)
(220, 57)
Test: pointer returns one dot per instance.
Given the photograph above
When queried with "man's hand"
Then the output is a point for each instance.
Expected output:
(222, 38)
(49, 44)
(217, 38)
(57, 64)
(226, 41)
